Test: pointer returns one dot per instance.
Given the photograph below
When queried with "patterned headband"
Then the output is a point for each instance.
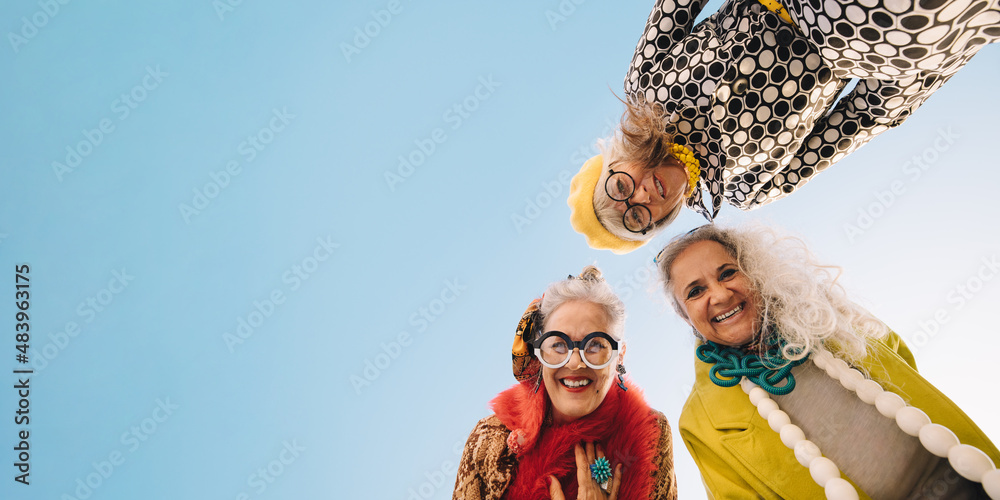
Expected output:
(525, 365)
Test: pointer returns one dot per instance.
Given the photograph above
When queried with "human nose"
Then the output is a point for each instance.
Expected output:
(575, 360)
(719, 294)
(641, 195)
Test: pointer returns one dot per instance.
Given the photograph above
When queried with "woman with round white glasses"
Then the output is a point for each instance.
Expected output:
(574, 426)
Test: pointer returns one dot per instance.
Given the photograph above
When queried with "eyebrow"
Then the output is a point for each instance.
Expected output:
(688, 287)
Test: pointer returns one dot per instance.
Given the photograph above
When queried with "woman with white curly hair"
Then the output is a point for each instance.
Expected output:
(800, 392)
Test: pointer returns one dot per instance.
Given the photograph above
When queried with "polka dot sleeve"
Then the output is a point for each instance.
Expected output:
(669, 22)
(871, 108)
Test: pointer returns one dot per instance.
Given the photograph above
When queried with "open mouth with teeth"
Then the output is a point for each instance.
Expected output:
(573, 384)
(728, 314)
(659, 186)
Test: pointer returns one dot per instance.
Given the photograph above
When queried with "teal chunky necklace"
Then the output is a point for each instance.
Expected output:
(731, 364)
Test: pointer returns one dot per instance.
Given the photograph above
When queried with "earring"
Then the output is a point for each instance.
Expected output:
(538, 381)
(621, 373)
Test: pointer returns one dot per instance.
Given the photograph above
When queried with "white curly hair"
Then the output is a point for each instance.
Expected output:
(798, 297)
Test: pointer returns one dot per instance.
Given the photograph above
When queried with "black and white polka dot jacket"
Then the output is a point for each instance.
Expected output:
(756, 100)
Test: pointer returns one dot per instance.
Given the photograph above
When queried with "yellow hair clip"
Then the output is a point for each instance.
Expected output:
(685, 156)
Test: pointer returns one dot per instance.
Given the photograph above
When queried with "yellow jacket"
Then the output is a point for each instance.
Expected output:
(741, 457)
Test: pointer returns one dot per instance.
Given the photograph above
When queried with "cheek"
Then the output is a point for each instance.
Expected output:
(693, 312)
(683, 307)
(754, 301)
(604, 378)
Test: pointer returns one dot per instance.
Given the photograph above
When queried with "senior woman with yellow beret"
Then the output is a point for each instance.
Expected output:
(746, 105)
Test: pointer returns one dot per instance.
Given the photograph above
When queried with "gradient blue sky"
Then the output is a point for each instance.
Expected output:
(308, 241)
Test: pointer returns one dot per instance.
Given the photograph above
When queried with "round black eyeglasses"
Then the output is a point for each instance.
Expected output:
(620, 186)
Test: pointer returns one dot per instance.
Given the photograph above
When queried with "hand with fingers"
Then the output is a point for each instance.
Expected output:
(587, 476)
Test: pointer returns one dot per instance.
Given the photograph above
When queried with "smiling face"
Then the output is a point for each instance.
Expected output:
(714, 294)
(659, 189)
(576, 389)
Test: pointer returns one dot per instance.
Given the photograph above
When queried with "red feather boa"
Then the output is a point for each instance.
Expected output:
(623, 424)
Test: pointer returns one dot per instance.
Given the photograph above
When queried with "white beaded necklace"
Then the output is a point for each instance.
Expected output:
(970, 462)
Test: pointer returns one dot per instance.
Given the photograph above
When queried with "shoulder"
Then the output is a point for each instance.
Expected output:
(491, 423)
(712, 411)
(693, 413)
(665, 484)
(661, 419)
(704, 394)
(488, 437)
(487, 464)
(661, 423)
(894, 344)
(665, 438)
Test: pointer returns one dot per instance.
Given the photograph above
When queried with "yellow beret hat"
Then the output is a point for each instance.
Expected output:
(582, 215)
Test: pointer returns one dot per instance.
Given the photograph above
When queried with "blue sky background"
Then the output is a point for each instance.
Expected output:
(307, 216)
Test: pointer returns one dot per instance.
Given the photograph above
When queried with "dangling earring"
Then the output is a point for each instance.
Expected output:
(621, 373)
(538, 381)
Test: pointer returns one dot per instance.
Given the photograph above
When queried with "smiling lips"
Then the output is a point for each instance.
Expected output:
(575, 384)
(728, 314)
(659, 186)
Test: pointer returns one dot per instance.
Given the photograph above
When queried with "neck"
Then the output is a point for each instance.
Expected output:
(560, 419)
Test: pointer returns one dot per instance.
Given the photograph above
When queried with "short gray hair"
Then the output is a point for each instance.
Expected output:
(589, 286)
